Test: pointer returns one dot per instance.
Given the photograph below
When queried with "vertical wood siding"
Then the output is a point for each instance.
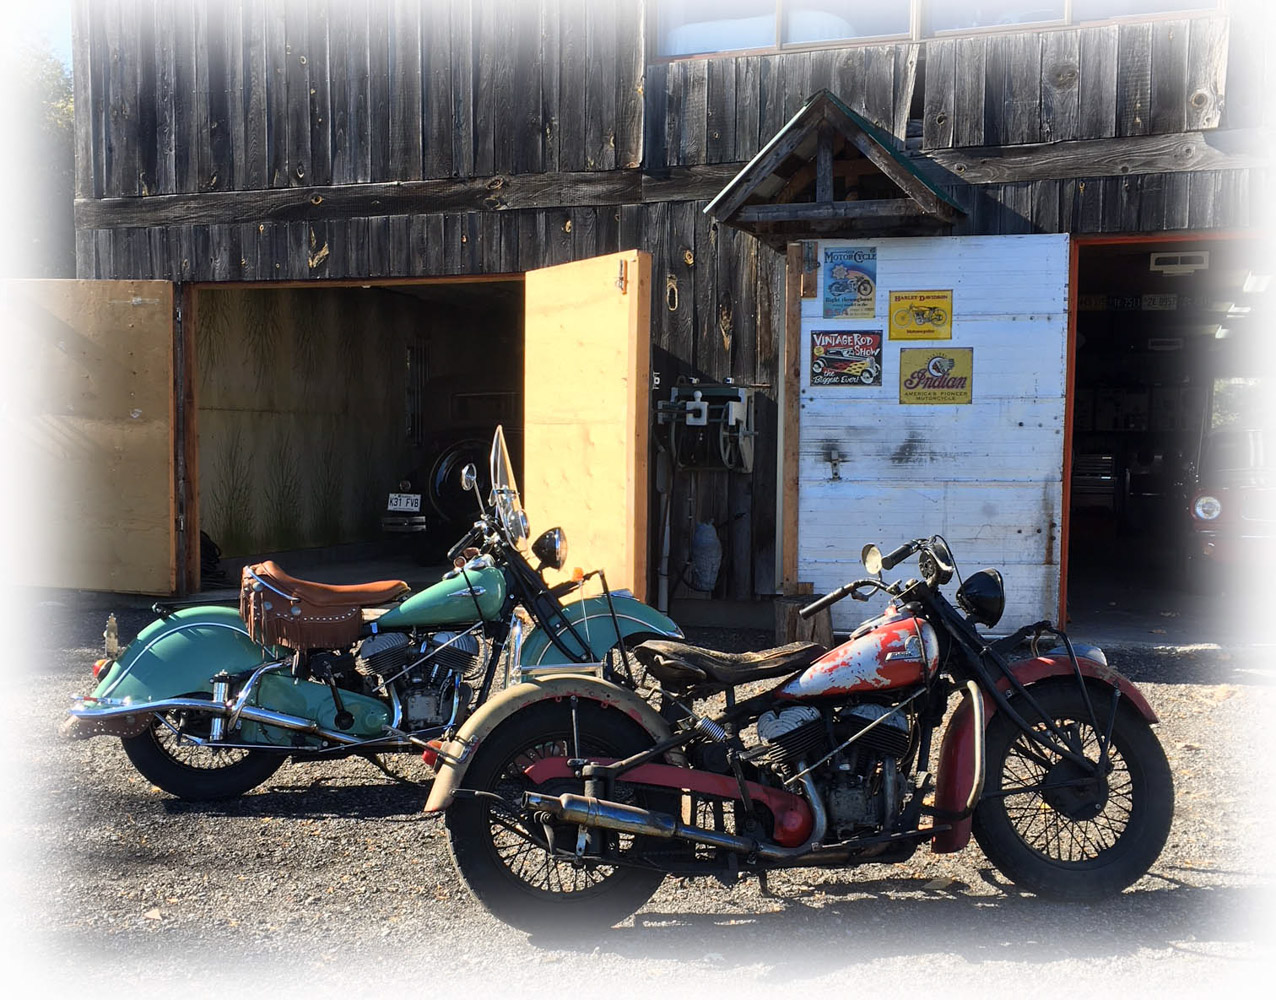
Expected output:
(988, 474)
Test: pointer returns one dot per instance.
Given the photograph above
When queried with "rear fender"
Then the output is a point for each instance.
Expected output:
(592, 620)
(957, 752)
(455, 755)
(179, 654)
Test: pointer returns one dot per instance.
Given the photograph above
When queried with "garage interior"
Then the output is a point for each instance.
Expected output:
(1165, 352)
(314, 404)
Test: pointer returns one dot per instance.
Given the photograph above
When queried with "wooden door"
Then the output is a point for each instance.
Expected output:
(586, 399)
(94, 434)
(952, 425)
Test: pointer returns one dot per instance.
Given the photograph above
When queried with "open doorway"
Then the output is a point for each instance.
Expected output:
(315, 404)
(1165, 340)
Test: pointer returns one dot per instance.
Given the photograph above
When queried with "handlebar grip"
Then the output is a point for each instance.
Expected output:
(898, 555)
(462, 545)
(825, 601)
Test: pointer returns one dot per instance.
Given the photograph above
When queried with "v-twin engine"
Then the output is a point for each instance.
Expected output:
(856, 761)
(431, 676)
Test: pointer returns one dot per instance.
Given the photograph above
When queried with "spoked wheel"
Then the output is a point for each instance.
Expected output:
(192, 772)
(1056, 828)
(504, 855)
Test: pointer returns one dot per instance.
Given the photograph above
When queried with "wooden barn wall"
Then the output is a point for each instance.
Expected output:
(184, 96)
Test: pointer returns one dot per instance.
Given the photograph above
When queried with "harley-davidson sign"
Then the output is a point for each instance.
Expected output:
(935, 374)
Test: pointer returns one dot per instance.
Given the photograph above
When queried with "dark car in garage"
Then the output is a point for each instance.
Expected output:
(1232, 502)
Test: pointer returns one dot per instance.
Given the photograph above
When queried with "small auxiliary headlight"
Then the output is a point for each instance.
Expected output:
(1207, 508)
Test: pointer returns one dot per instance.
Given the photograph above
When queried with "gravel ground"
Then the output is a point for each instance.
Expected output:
(328, 880)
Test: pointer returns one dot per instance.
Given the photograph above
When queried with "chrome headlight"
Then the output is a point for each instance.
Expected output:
(1207, 508)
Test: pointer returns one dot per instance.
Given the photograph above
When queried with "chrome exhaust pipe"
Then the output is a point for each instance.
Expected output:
(585, 810)
(264, 716)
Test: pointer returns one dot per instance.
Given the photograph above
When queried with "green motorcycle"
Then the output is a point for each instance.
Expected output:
(210, 700)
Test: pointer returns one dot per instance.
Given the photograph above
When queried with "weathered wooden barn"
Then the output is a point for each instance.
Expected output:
(341, 201)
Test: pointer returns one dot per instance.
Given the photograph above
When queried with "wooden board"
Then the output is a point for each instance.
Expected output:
(95, 439)
(906, 471)
(585, 422)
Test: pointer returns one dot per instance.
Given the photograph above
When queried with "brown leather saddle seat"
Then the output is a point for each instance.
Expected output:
(285, 610)
(680, 665)
(327, 595)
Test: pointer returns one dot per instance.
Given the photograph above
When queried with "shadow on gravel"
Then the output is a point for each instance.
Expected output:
(316, 799)
(811, 934)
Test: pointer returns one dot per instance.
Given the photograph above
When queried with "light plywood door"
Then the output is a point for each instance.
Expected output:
(94, 435)
(586, 401)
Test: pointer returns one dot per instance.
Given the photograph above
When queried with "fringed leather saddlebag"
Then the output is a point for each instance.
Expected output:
(282, 610)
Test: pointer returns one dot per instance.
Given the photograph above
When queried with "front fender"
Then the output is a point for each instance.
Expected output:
(957, 752)
(455, 755)
(179, 654)
(592, 620)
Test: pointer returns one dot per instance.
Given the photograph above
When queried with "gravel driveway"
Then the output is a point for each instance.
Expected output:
(328, 881)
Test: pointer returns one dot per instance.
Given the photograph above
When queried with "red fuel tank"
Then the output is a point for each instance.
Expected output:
(891, 651)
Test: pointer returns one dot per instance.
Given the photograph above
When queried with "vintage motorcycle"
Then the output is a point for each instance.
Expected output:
(568, 799)
(210, 701)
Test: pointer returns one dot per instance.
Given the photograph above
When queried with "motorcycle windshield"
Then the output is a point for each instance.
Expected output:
(505, 499)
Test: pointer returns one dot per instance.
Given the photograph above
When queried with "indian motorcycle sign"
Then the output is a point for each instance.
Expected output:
(846, 357)
(935, 374)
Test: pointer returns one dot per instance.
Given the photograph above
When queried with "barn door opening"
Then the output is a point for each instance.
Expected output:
(100, 445)
(585, 411)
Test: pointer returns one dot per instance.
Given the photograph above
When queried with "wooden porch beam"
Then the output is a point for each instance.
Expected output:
(812, 211)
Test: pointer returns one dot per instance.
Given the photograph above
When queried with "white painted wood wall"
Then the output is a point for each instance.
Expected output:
(988, 475)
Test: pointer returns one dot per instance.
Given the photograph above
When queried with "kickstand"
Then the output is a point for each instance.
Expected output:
(376, 761)
(763, 888)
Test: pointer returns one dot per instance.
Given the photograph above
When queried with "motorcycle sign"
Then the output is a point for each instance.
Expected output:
(921, 315)
(850, 283)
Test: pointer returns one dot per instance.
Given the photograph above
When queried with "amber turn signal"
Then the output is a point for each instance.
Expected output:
(100, 666)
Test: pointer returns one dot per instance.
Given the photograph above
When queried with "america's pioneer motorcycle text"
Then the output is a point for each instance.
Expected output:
(210, 701)
(569, 798)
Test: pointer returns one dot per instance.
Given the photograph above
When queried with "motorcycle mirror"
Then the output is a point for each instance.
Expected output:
(459, 561)
(872, 558)
(469, 477)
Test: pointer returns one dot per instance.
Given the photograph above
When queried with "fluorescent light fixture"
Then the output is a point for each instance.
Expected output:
(1222, 333)
(1256, 283)
(1239, 311)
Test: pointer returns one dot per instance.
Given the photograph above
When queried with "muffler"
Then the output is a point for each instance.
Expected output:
(585, 810)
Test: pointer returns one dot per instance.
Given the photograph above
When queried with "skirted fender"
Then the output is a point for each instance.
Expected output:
(591, 618)
(455, 755)
(957, 752)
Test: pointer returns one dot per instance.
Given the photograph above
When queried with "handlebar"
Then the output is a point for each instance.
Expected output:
(857, 589)
(896, 556)
(469, 538)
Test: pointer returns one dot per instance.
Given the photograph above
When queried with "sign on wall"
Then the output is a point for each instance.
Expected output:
(921, 315)
(935, 374)
(850, 283)
(846, 357)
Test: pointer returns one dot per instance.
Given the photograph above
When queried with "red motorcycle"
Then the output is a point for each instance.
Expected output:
(570, 798)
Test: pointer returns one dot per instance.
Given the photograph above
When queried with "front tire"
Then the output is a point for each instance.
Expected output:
(1074, 842)
(516, 880)
(195, 773)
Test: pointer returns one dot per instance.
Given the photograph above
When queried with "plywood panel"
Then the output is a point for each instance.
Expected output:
(988, 474)
(95, 441)
(586, 401)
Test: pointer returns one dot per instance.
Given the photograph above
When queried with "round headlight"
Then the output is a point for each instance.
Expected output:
(551, 548)
(983, 597)
(1207, 508)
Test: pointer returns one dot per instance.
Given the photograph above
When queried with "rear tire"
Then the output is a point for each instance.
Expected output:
(1072, 843)
(194, 773)
(515, 880)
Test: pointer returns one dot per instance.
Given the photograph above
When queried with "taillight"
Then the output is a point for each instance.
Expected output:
(431, 752)
(101, 666)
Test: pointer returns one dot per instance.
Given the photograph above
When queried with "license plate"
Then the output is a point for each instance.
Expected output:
(404, 501)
